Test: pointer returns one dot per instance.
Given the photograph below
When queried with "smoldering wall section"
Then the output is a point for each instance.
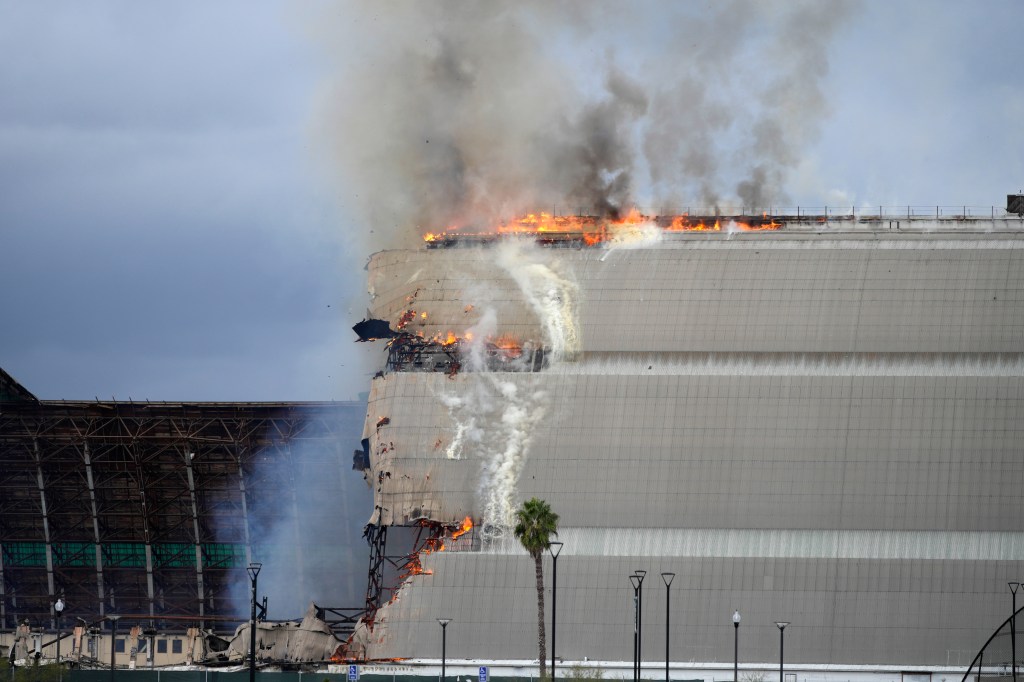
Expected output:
(454, 114)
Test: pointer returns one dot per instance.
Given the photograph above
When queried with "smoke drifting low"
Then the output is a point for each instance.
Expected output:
(449, 114)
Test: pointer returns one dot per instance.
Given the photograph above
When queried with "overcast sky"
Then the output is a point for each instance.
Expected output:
(171, 227)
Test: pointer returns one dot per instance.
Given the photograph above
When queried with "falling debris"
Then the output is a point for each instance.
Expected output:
(371, 330)
(407, 317)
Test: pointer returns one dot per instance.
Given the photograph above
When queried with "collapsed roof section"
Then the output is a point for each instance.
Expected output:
(281, 644)
(286, 643)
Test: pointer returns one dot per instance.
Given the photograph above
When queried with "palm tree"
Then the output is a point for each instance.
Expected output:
(535, 524)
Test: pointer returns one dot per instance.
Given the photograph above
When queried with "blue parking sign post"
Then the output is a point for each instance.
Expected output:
(483, 673)
(353, 673)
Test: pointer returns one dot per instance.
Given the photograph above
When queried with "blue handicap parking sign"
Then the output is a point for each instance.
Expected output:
(483, 673)
(353, 673)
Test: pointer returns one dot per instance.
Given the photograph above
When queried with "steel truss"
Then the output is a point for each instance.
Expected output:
(141, 508)
(388, 572)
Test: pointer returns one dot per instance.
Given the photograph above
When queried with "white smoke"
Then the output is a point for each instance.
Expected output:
(494, 414)
(464, 420)
(552, 296)
(640, 236)
(485, 328)
(472, 407)
(522, 411)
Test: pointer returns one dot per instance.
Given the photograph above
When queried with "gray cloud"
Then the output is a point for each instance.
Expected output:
(163, 223)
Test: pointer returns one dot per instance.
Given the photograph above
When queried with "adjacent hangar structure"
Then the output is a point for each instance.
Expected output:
(152, 510)
(821, 424)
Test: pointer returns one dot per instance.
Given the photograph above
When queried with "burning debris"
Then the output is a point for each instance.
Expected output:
(435, 537)
(430, 537)
(409, 353)
(371, 330)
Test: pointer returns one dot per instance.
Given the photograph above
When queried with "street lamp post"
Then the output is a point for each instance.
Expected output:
(554, 548)
(113, 640)
(736, 647)
(640, 623)
(253, 570)
(667, 577)
(444, 636)
(782, 626)
(635, 580)
(58, 608)
(1013, 629)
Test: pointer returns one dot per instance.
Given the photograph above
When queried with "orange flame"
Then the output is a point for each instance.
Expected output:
(593, 230)
(590, 229)
(509, 345)
(771, 225)
(467, 525)
(681, 223)
(415, 567)
(406, 318)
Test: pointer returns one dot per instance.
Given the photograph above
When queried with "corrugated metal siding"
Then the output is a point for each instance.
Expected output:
(783, 544)
(824, 430)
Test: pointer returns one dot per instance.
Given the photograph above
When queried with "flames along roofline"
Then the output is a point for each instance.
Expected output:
(592, 231)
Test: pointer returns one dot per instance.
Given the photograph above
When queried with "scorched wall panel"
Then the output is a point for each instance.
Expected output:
(774, 296)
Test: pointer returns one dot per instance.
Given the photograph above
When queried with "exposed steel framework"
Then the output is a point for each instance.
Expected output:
(142, 508)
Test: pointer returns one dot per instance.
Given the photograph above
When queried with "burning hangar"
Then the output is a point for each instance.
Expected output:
(813, 419)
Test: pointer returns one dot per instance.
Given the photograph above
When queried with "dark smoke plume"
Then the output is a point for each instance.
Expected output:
(450, 114)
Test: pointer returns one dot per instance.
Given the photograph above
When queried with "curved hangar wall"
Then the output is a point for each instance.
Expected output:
(823, 430)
